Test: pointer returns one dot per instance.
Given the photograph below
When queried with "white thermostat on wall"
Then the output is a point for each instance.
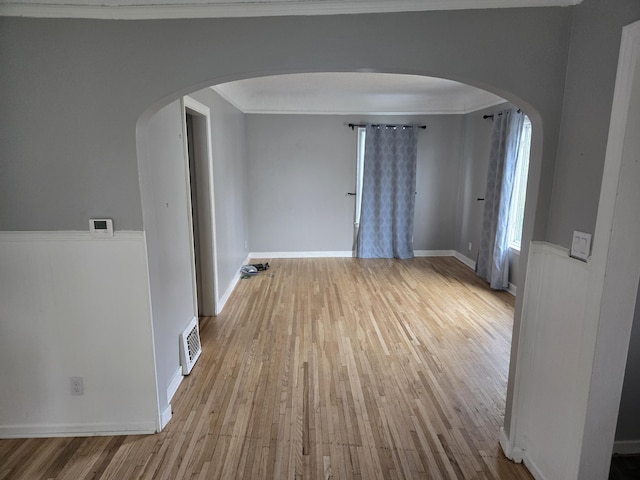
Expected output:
(101, 227)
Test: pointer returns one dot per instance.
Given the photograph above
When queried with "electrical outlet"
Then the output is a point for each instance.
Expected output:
(77, 386)
(470, 245)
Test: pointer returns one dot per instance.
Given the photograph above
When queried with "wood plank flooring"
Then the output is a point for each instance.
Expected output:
(329, 369)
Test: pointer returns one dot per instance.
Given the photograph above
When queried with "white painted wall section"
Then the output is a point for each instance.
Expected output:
(75, 306)
(549, 353)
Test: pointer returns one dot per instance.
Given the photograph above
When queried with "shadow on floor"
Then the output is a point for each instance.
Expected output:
(625, 467)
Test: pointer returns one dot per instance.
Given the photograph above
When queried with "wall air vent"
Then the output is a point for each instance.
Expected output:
(190, 348)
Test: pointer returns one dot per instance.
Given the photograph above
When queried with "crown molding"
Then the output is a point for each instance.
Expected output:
(335, 104)
(163, 9)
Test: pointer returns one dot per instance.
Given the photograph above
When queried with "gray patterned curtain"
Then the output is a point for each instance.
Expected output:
(493, 252)
(388, 193)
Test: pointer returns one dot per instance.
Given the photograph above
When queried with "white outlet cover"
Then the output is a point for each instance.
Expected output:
(581, 245)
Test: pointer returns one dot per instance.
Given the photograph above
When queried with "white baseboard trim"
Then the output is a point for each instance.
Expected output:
(626, 447)
(165, 417)
(77, 430)
(512, 289)
(514, 454)
(175, 382)
(236, 278)
(533, 469)
(346, 254)
(517, 455)
(466, 260)
(322, 254)
(433, 253)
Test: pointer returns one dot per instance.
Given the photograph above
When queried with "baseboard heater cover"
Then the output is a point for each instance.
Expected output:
(190, 348)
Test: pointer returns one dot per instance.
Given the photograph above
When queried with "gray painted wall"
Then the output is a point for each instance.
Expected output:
(300, 169)
(77, 156)
(302, 166)
(473, 181)
(73, 93)
(437, 181)
(591, 72)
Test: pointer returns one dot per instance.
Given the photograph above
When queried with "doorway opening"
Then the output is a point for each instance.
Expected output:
(197, 144)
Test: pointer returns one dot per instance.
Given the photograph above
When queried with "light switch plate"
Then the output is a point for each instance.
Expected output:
(581, 245)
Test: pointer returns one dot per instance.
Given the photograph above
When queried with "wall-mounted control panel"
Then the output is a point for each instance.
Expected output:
(581, 245)
(101, 227)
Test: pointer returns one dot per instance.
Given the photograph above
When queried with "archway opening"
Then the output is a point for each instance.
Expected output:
(235, 236)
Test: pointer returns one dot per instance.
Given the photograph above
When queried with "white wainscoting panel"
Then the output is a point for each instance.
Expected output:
(75, 306)
(547, 391)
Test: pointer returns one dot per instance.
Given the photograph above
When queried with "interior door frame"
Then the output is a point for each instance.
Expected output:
(193, 107)
(615, 266)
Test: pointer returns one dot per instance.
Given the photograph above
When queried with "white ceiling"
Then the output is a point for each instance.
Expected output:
(148, 9)
(355, 93)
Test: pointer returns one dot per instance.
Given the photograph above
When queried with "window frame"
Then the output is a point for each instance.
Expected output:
(519, 190)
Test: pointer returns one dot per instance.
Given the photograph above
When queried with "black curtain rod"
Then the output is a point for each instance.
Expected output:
(491, 116)
(354, 125)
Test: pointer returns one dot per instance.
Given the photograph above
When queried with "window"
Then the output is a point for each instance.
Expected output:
(359, 172)
(518, 196)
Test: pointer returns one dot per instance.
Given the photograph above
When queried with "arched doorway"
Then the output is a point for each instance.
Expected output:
(148, 166)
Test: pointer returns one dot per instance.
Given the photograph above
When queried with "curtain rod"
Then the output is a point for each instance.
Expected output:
(354, 125)
(491, 116)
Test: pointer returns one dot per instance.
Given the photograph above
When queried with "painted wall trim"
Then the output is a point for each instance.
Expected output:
(221, 9)
(203, 110)
(319, 254)
(626, 447)
(175, 382)
(165, 417)
(518, 455)
(68, 235)
(512, 289)
(512, 453)
(236, 278)
(466, 260)
(453, 110)
(434, 253)
(341, 254)
(77, 430)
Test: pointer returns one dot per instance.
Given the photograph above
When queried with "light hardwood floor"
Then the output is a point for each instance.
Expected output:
(330, 368)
